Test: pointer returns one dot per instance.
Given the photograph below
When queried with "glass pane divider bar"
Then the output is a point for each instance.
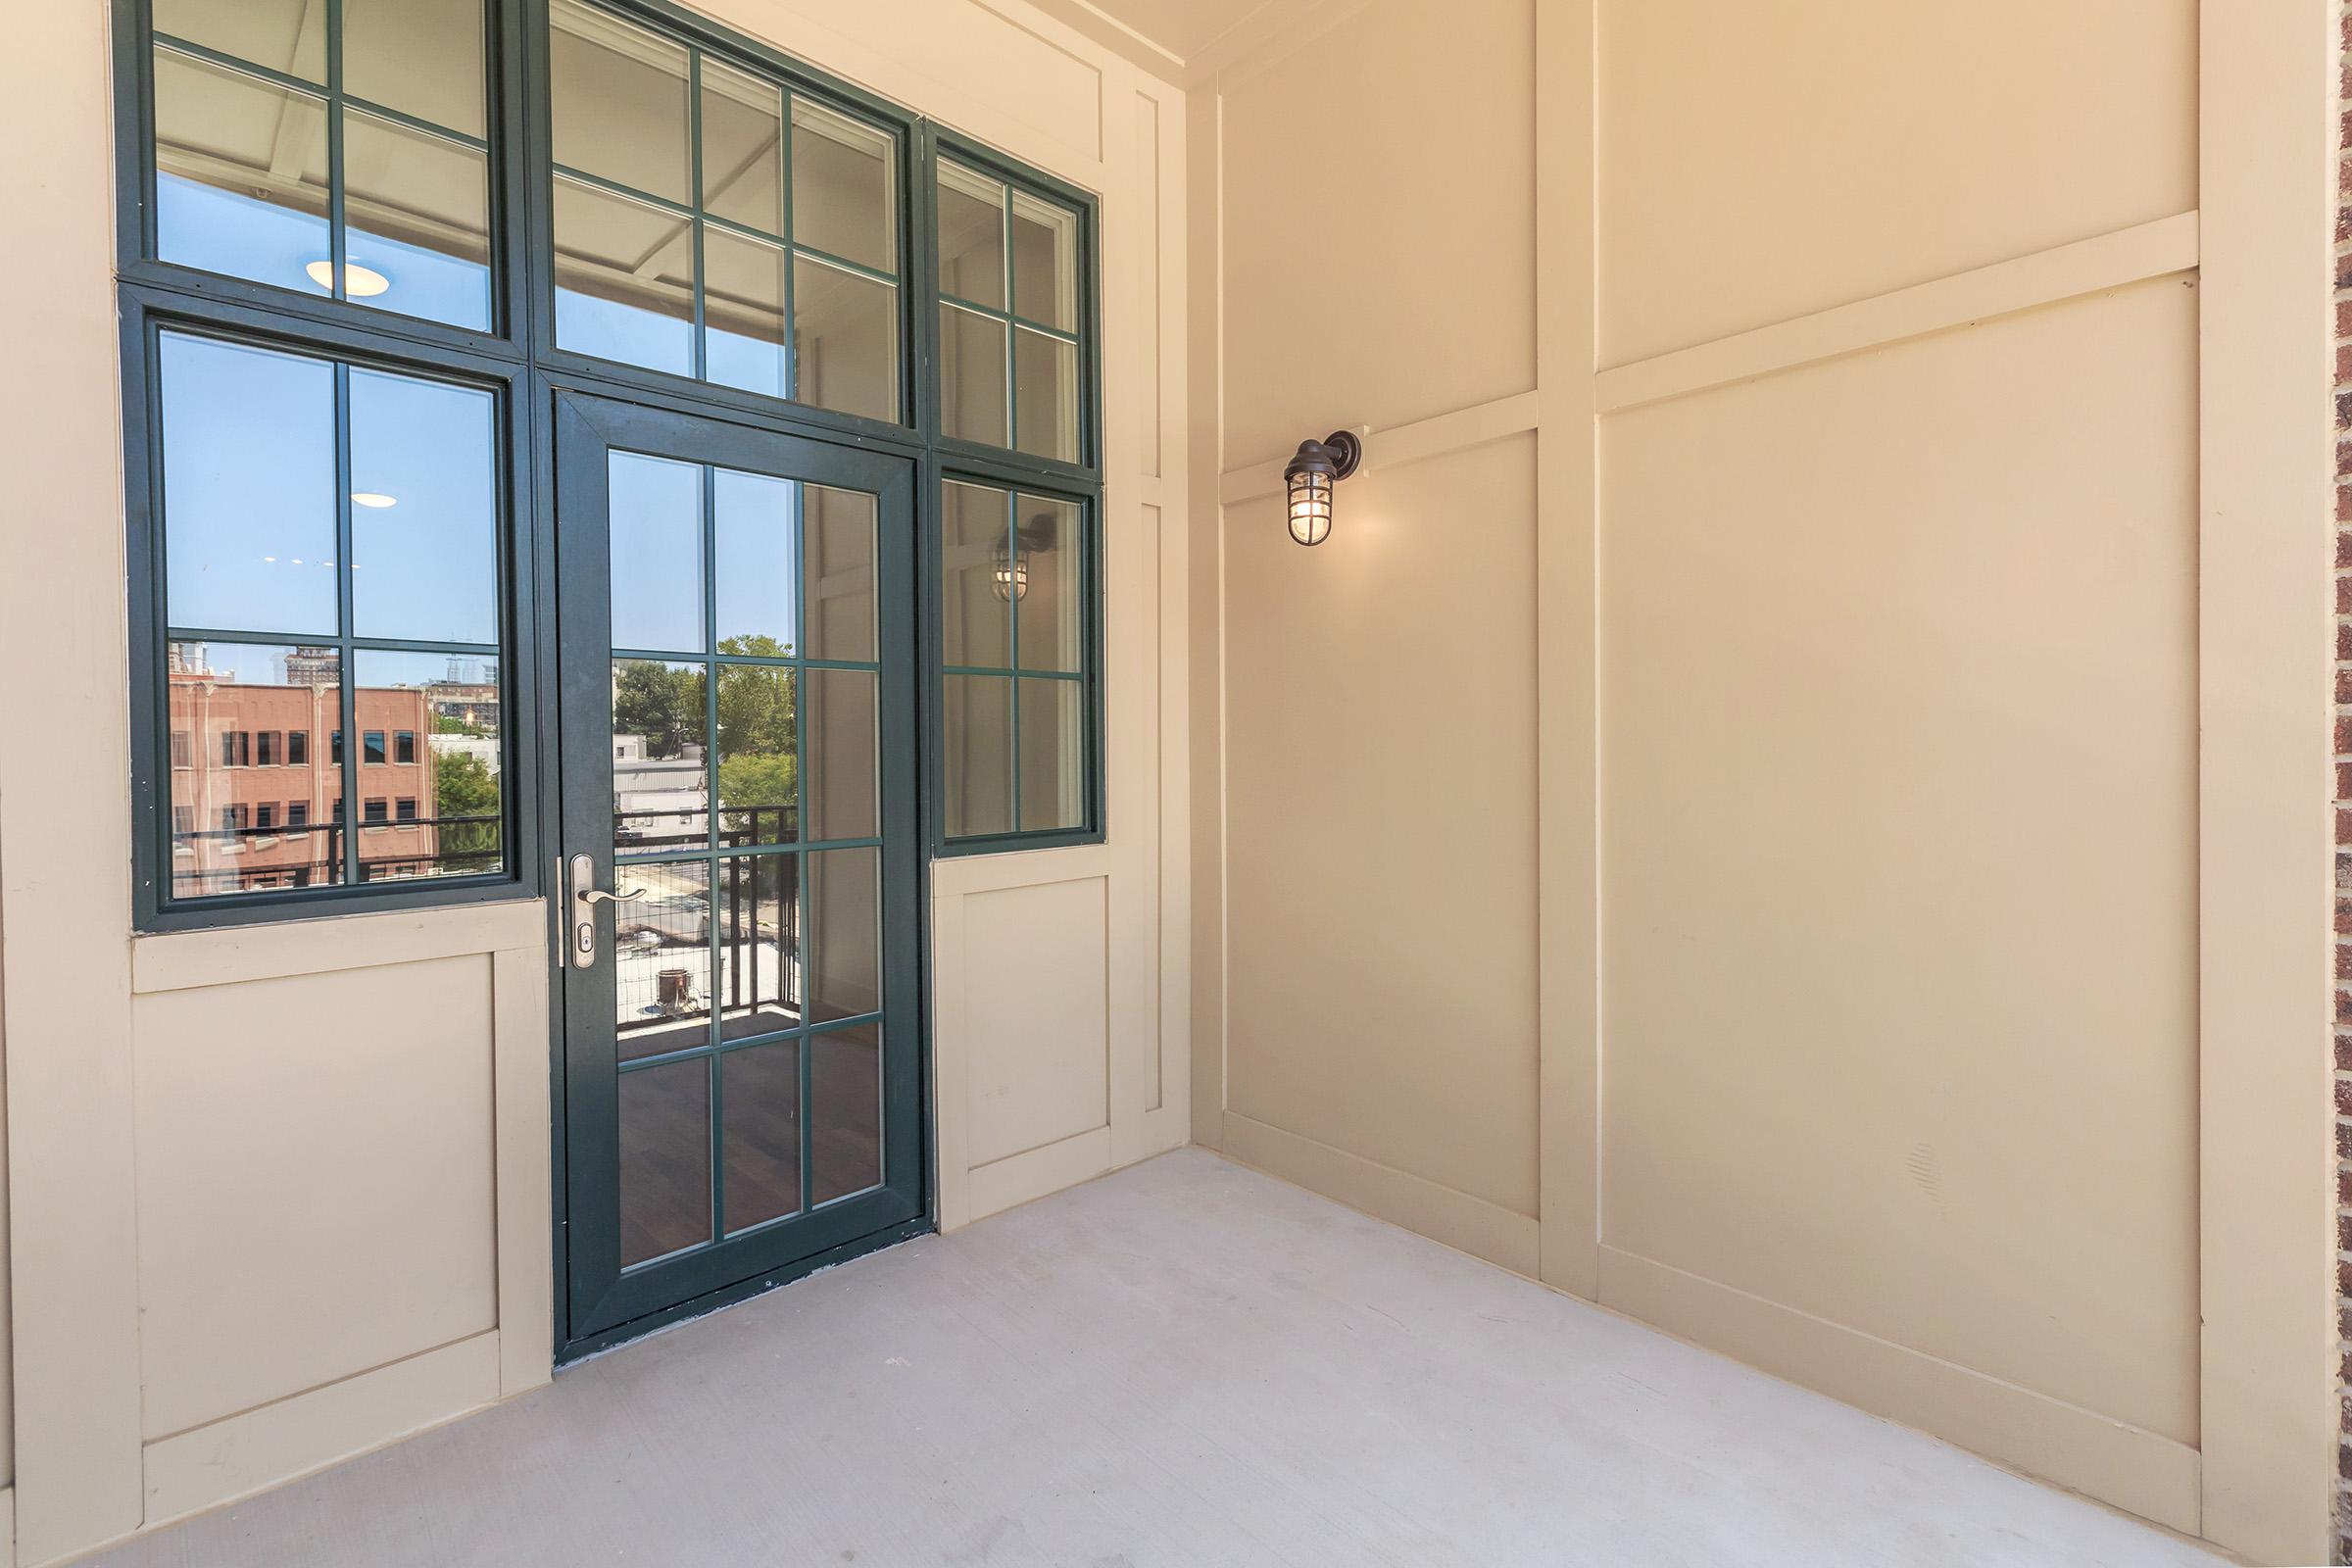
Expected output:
(314, 90)
(739, 851)
(1013, 674)
(804, 891)
(714, 955)
(728, 1048)
(338, 245)
(389, 645)
(840, 262)
(1059, 335)
(669, 656)
(701, 347)
(792, 306)
(346, 808)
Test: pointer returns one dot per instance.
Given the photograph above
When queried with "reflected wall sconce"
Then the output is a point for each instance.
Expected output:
(1012, 557)
(1316, 468)
(1011, 572)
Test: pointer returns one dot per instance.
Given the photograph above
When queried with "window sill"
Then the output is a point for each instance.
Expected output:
(179, 960)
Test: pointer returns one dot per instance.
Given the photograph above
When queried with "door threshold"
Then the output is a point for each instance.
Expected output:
(588, 1348)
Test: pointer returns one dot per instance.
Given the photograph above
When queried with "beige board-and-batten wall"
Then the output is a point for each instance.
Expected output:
(1791, 801)
(281, 1194)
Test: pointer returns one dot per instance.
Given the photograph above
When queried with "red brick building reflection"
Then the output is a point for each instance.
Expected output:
(256, 777)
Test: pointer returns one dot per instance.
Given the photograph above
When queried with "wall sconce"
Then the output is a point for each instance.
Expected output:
(1317, 467)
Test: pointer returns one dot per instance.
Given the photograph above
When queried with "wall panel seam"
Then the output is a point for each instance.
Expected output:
(2045, 277)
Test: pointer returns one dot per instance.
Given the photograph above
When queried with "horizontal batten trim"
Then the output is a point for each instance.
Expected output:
(1022, 1178)
(2151, 1475)
(2110, 261)
(180, 960)
(962, 876)
(1403, 444)
(305, 1433)
(1485, 1230)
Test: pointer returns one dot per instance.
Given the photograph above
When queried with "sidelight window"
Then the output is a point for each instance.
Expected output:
(289, 604)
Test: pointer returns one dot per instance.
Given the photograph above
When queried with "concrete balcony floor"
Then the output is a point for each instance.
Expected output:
(1184, 1365)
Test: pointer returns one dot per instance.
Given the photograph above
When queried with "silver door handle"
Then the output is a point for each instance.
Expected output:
(581, 876)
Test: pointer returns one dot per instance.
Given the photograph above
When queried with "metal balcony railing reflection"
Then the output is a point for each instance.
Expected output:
(665, 944)
(259, 862)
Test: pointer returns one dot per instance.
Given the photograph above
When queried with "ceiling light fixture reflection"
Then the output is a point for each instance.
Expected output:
(373, 498)
(359, 282)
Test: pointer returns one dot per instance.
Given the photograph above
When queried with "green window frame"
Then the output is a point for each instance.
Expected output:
(510, 348)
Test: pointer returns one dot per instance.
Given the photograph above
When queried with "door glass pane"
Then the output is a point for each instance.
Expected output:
(844, 1112)
(843, 180)
(624, 278)
(758, 589)
(758, 755)
(222, 699)
(240, 174)
(665, 1159)
(845, 340)
(417, 213)
(839, 544)
(450, 768)
(1044, 262)
(619, 102)
(844, 742)
(971, 236)
(1044, 385)
(976, 753)
(761, 1149)
(661, 959)
(286, 36)
(845, 903)
(249, 488)
(420, 57)
(425, 510)
(1053, 758)
(975, 609)
(742, 313)
(971, 377)
(1048, 584)
(758, 944)
(743, 135)
(656, 546)
(660, 796)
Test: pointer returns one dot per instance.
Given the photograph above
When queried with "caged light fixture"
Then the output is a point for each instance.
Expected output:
(1317, 467)
(1010, 560)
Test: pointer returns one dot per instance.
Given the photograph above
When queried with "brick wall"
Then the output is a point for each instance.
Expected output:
(2343, 784)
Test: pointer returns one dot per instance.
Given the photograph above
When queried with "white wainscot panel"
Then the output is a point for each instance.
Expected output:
(1035, 1015)
(316, 1184)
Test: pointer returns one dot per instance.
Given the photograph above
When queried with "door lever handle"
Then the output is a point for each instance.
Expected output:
(578, 875)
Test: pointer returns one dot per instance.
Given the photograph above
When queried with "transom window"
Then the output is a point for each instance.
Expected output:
(336, 147)
(358, 228)
(715, 223)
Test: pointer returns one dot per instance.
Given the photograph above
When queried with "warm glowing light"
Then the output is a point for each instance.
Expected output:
(1310, 478)
(1011, 573)
(1311, 507)
(359, 282)
(373, 498)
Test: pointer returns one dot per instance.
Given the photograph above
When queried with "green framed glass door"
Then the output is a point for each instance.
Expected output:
(738, 881)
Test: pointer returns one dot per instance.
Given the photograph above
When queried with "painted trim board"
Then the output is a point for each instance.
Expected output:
(2149, 1475)
(295, 1436)
(1467, 1224)
(2066, 272)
